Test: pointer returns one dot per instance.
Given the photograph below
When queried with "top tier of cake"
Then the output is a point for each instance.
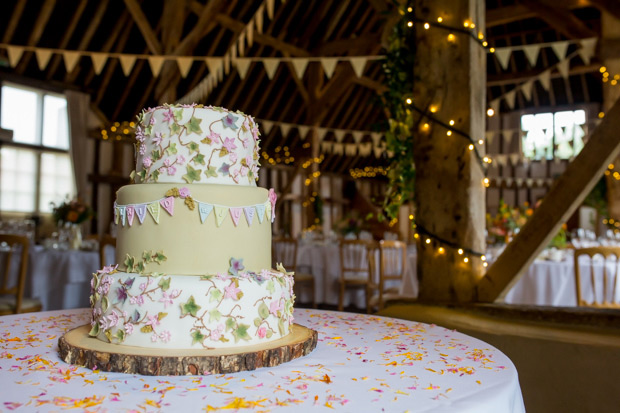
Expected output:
(196, 144)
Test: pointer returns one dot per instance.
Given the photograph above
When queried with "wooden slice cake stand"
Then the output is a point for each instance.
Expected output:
(76, 347)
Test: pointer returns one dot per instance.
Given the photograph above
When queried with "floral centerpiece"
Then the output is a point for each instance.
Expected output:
(351, 223)
(68, 215)
(508, 221)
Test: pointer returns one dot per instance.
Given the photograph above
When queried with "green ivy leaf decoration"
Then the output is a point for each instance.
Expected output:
(178, 114)
(230, 323)
(143, 175)
(161, 316)
(193, 126)
(140, 267)
(215, 315)
(148, 130)
(146, 329)
(129, 263)
(257, 321)
(193, 147)
(241, 332)
(120, 335)
(223, 152)
(159, 257)
(164, 283)
(269, 333)
(263, 310)
(197, 337)
(172, 149)
(199, 159)
(211, 172)
(224, 339)
(146, 256)
(215, 295)
(174, 128)
(271, 287)
(281, 327)
(192, 174)
(108, 335)
(104, 304)
(94, 332)
(155, 155)
(155, 175)
(190, 307)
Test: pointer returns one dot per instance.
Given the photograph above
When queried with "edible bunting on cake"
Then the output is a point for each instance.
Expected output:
(154, 210)
(268, 210)
(168, 204)
(140, 211)
(121, 212)
(235, 214)
(220, 214)
(260, 210)
(204, 210)
(130, 214)
(115, 213)
(249, 214)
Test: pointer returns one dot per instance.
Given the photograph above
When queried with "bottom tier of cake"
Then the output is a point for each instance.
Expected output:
(189, 312)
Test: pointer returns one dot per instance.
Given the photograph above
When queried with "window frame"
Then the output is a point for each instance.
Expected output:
(39, 149)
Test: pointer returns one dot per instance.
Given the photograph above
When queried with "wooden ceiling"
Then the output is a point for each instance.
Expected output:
(308, 28)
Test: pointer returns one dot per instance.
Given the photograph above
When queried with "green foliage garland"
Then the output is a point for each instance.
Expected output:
(398, 70)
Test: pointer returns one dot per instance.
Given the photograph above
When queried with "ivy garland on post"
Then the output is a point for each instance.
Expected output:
(398, 70)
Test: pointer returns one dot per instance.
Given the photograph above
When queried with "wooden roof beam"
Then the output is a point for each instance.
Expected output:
(67, 36)
(45, 12)
(560, 18)
(13, 21)
(145, 28)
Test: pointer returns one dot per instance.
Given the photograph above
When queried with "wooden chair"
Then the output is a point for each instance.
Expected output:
(12, 299)
(604, 283)
(392, 269)
(284, 251)
(357, 265)
(105, 240)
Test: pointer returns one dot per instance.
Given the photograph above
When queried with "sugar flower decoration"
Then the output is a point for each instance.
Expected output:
(147, 161)
(236, 265)
(229, 121)
(229, 144)
(168, 116)
(232, 291)
(184, 192)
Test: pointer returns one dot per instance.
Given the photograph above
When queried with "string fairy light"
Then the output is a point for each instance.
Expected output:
(119, 131)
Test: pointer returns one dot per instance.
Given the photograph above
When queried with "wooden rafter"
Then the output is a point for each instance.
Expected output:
(145, 27)
(560, 18)
(37, 31)
(13, 21)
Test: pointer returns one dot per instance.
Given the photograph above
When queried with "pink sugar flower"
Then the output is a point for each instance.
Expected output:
(216, 333)
(243, 171)
(262, 332)
(139, 134)
(153, 321)
(147, 161)
(165, 336)
(129, 328)
(167, 162)
(231, 291)
(180, 159)
(157, 138)
(107, 269)
(184, 192)
(166, 299)
(154, 337)
(152, 121)
(172, 170)
(232, 157)
(142, 150)
(229, 144)
(274, 307)
(168, 116)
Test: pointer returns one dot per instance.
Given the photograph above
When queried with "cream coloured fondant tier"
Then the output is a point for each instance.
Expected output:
(200, 227)
(196, 144)
(188, 312)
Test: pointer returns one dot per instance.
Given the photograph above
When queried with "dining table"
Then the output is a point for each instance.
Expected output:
(361, 363)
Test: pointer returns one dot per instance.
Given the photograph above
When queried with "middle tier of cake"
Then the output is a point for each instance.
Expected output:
(200, 227)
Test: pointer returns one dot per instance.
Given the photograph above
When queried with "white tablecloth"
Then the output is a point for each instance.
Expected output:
(323, 262)
(361, 364)
(60, 279)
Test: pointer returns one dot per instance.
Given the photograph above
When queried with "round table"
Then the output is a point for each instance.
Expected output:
(361, 363)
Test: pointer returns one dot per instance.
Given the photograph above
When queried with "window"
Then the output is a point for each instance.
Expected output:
(553, 135)
(35, 167)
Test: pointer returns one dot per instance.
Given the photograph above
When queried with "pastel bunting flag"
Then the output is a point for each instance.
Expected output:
(168, 204)
(249, 214)
(121, 212)
(235, 214)
(260, 210)
(140, 212)
(130, 214)
(154, 210)
(267, 205)
(204, 210)
(220, 214)
(116, 214)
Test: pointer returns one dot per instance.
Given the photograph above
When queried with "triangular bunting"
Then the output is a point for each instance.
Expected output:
(531, 52)
(321, 132)
(560, 48)
(185, 64)
(285, 128)
(213, 63)
(249, 214)
(130, 214)
(545, 79)
(587, 49)
(350, 149)
(489, 136)
(494, 104)
(116, 214)
(526, 89)
(227, 63)
(70, 59)
(378, 151)
(507, 135)
(269, 4)
(266, 126)
(122, 209)
(127, 62)
(358, 64)
(220, 214)
(338, 148)
(510, 98)
(514, 158)
(271, 65)
(300, 64)
(155, 63)
(376, 138)
(529, 182)
(326, 146)
(242, 67)
(153, 209)
(258, 18)
(357, 136)
(43, 57)
(99, 60)
(563, 68)
(250, 33)
(235, 214)
(509, 181)
(268, 211)
(503, 56)
(339, 134)
(140, 212)
(204, 210)
(15, 53)
(260, 211)
(168, 204)
(329, 64)
(303, 131)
